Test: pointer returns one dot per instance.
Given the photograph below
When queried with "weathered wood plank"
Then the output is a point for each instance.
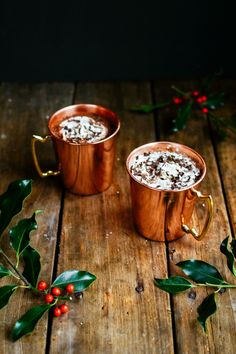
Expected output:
(113, 317)
(221, 327)
(226, 151)
(98, 236)
(24, 110)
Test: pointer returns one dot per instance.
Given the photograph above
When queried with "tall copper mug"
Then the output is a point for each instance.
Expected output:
(84, 168)
(164, 215)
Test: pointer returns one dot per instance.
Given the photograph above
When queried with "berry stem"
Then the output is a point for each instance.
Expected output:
(178, 90)
(219, 286)
(65, 297)
(17, 262)
(14, 268)
(24, 286)
(161, 105)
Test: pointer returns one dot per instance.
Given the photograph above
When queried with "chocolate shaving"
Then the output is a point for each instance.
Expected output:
(83, 129)
(165, 170)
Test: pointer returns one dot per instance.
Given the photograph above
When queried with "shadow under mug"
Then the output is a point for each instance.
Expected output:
(164, 215)
(84, 168)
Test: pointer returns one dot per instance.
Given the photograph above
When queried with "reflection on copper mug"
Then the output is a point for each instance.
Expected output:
(164, 215)
(84, 168)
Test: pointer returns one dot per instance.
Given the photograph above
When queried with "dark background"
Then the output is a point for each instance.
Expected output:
(112, 40)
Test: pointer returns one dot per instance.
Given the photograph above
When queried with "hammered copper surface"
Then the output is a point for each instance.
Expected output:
(85, 168)
(158, 214)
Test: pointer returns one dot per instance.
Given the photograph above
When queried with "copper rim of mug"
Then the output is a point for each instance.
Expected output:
(176, 146)
(71, 107)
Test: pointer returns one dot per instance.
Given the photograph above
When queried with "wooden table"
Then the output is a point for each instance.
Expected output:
(96, 233)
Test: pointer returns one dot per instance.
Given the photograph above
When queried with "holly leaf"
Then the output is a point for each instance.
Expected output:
(12, 200)
(19, 235)
(182, 116)
(214, 101)
(201, 272)
(173, 285)
(80, 279)
(4, 272)
(32, 266)
(233, 247)
(224, 248)
(5, 294)
(26, 324)
(148, 108)
(206, 309)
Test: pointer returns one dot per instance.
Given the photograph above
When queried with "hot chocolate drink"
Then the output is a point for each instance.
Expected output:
(165, 170)
(83, 129)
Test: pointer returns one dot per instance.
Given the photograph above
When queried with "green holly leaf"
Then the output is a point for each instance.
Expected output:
(26, 324)
(19, 235)
(148, 108)
(173, 285)
(5, 294)
(224, 248)
(214, 101)
(80, 279)
(201, 272)
(206, 309)
(4, 272)
(233, 247)
(182, 115)
(12, 200)
(32, 266)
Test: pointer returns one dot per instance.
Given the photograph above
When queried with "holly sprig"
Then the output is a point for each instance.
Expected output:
(183, 103)
(67, 286)
(203, 275)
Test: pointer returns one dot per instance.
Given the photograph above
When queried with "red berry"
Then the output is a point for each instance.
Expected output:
(204, 109)
(56, 291)
(195, 93)
(204, 98)
(49, 298)
(42, 285)
(199, 100)
(177, 100)
(64, 308)
(70, 288)
(57, 312)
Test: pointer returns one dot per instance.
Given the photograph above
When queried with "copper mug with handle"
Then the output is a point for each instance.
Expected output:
(164, 215)
(84, 168)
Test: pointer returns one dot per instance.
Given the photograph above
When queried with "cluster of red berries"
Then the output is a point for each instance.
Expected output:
(55, 292)
(198, 99)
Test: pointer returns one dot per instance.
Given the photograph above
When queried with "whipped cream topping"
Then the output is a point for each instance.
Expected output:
(83, 129)
(165, 170)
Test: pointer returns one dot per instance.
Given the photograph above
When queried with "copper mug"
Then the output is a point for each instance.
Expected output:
(164, 215)
(84, 168)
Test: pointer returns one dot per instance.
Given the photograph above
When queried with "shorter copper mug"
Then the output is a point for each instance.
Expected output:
(164, 215)
(84, 168)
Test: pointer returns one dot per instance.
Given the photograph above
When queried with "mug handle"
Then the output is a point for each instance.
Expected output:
(37, 138)
(192, 231)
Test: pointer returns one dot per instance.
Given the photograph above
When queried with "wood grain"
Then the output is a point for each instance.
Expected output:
(24, 110)
(98, 236)
(188, 334)
(96, 233)
(226, 151)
